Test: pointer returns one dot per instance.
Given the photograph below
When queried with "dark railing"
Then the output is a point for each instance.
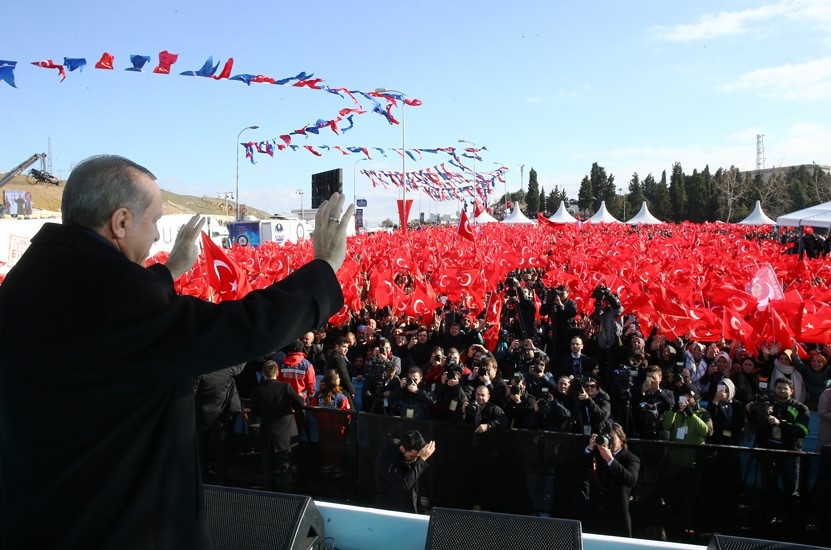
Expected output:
(683, 491)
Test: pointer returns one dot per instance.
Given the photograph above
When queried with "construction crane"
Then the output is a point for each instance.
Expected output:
(7, 177)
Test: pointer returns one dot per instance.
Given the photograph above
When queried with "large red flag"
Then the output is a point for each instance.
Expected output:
(225, 277)
(477, 208)
(816, 327)
(464, 227)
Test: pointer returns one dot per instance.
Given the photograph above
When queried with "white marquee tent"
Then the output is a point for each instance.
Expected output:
(603, 216)
(516, 216)
(814, 216)
(644, 216)
(562, 215)
(757, 217)
(484, 217)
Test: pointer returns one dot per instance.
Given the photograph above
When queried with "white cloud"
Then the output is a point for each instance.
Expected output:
(789, 82)
(734, 23)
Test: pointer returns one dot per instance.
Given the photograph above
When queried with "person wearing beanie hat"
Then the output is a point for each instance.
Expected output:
(728, 415)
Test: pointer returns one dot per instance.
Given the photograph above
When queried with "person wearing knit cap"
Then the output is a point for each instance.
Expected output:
(728, 415)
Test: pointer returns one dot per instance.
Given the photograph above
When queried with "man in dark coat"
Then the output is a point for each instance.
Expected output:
(108, 456)
(338, 362)
(614, 472)
(275, 403)
(397, 470)
(217, 408)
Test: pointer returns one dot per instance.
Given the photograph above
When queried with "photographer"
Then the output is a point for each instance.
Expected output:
(450, 395)
(607, 327)
(520, 406)
(418, 349)
(592, 407)
(414, 401)
(521, 355)
(556, 411)
(435, 367)
(651, 405)
(519, 310)
(538, 382)
(561, 314)
(486, 374)
(614, 471)
(379, 384)
(781, 423)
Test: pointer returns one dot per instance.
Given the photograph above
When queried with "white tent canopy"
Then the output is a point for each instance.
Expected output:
(815, 216)
(757, 217)
(644, 216)
(484, 217)
(516, 216)
(603, 216)
(562, 215)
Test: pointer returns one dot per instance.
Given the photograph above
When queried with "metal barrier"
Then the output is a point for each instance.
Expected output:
(703, 488)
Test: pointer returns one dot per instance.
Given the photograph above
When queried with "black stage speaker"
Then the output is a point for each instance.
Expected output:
(242, 518)
(722, 542)
(324, 184)
(463, 529)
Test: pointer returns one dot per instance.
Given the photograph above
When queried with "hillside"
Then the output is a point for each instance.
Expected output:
(47, 199)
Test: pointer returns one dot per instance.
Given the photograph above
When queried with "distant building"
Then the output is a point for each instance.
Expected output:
(767, 173)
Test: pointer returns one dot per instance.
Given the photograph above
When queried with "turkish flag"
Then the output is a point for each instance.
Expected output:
(765, 286)
(404, 212)
(816, 327)
(225, 277)
(477, 208)
(464, 227)
(494, 308)
(734, 327)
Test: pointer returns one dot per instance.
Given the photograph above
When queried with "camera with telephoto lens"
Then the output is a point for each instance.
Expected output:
(453, 371)
(482, 371)
(603, 440)
(409, 382)
(600, 292)
(762, 406)
(577, 383)
(516, 390)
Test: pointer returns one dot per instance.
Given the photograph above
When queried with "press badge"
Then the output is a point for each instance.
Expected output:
(726, 433)
(386, 402)
(409, 413)
(587, 430)
(681, 433)
(453, 405)
(776, 432)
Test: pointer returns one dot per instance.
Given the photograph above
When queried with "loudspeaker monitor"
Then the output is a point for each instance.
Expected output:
(723, 542)
(244, 518)
(451, 529)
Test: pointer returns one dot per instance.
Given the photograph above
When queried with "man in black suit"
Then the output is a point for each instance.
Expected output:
(275, 403)
(339, 362)
(614, 471)
(398, 468)
(575, 363)
(109, 453)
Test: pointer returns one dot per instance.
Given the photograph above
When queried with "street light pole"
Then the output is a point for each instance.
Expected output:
(236, 213)
(302, 214)
(403, 152)
(226, 195)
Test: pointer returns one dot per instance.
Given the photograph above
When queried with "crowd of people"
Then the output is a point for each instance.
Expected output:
(558, 369)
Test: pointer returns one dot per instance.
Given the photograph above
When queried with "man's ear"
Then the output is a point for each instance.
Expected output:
(118, 222)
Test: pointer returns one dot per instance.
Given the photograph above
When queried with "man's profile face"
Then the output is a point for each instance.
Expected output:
(140, 234)
(409, 456)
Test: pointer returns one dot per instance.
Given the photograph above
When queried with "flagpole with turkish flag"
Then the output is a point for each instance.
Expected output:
(226, 279)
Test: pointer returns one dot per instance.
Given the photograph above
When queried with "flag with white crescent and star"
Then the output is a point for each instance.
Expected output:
(226, 279)
(464, 227)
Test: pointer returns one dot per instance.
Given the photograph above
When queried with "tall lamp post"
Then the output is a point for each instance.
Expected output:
(226, 195)
(475, 183)
(623, 195)
(302, 214)
(236, 214)
(403, 151)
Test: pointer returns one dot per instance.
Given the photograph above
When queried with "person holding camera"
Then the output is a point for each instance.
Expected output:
(591, 406)
(651, 405)
(606, 323)
(614, 471)
(486, 373)
(687, 422)
(539, 382)
(781, 423)
(451, 397)
(520, 406)
(561, 313)
(556, 410)
(521, 355)
(413, 400)
(378, 386)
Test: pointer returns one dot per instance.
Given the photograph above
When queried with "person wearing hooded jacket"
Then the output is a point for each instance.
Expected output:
(297, 371)
(728, 415)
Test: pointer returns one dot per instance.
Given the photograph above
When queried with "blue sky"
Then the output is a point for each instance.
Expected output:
(555, 86)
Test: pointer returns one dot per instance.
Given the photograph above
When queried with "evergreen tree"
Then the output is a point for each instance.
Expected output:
(585, 197)
(661, 206)
(635, 197)
(696, 198)
(678, 193)
(532, 199)
(543, 205)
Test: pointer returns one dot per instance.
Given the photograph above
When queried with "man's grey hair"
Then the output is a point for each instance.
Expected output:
(99, 186)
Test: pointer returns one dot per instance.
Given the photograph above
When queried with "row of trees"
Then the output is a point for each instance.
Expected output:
(728, 195)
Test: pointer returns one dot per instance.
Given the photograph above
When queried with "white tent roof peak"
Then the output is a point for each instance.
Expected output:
(562, 215)
(644, 216)
(603, 216)
(516, 216)
(757, 217)
(814, 216)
